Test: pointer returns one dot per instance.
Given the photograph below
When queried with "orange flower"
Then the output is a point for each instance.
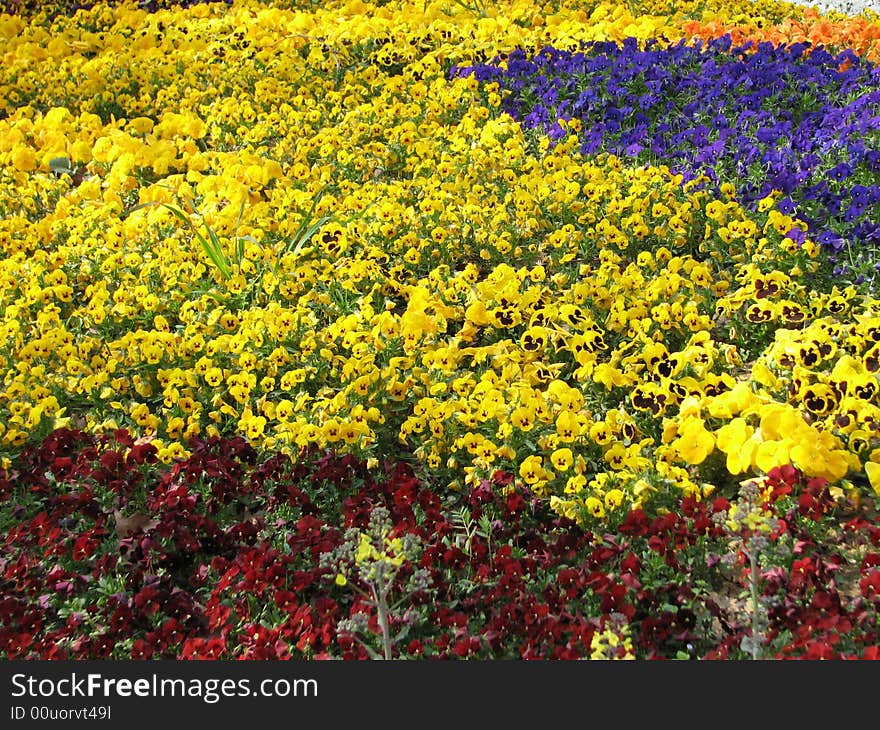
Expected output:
(861, 34)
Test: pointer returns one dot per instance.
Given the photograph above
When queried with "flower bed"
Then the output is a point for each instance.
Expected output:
(400, 330)
(231, 555)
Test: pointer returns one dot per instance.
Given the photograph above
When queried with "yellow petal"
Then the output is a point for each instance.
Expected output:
(770, 454)
(872, 469)
(731, 436)
(761, 374)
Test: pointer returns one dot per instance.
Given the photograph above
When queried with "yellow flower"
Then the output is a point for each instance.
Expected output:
(817, 454)
(575, 484)
(213, 376)
(24, 158)
(736, 440)
(872, 470)
(770, 454)
(562, 459)
(366, 551)
(694, 442)
(531, 470)
(779, 421)
(568, 426)
(734, 401)
(608, 375)
(534, 339)
(601, 433)
(332, 430)
(523, 417)
(477, 314)
(616, 456)
(595, 507)
(613, 499)
(393, 552)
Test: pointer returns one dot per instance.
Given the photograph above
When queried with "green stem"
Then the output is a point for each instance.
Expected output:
(753, 585)
(382, 606)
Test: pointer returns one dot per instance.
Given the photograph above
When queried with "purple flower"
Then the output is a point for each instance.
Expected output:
(831, 240)
(761, 116)
(797, 235)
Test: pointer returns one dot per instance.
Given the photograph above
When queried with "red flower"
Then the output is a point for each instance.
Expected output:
(515, 504)
(869, 585)
(636, 523)
(144, 453)
(819, 650)
(84, 547)
(569, 580)
(148, 600)
(286, 601)
(803, 571)
(140, 649)
(466, 646)
(630, 563)
(199, 648)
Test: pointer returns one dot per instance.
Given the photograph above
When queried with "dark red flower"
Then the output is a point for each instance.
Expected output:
(140, 649)
(869, 585)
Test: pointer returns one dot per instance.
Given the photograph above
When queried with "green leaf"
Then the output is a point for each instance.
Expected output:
(212, 248)
(239, 242)
(305, 231)
(371, 652)
(60, 165)
(309, 233)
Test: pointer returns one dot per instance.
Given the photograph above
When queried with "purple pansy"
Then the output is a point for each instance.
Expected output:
(761, 116)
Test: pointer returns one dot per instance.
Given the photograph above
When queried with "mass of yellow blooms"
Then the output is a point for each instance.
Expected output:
(291, 224)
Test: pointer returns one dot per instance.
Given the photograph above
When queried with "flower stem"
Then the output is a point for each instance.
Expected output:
(753, 585)
(382, 607)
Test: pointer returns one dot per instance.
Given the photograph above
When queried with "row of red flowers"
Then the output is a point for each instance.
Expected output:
(108, 554)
